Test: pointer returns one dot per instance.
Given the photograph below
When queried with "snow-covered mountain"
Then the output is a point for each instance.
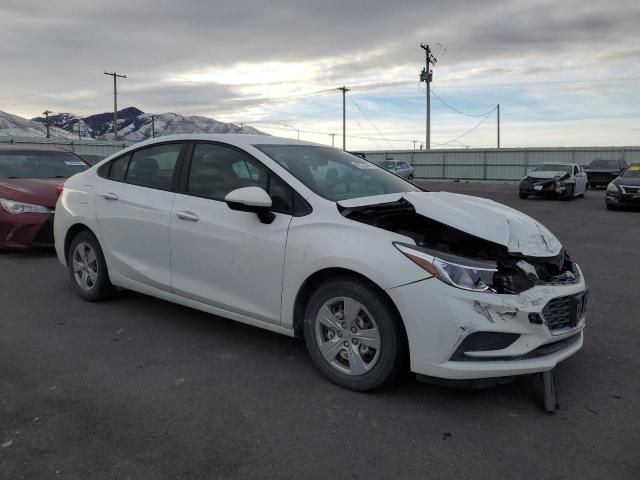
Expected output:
(133, 125)
(15, 126)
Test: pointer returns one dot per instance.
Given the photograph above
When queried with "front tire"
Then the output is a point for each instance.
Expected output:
(523, 196)
(88, 269)
(569, 193)
(410, 178)
(353, 334)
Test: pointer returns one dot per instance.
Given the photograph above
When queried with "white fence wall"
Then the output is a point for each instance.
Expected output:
(496, 164)
(95, 147)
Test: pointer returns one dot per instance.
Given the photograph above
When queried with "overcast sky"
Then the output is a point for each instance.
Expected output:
(565, 72)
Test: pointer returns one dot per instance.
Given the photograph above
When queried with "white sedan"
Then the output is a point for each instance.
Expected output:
(310, 241)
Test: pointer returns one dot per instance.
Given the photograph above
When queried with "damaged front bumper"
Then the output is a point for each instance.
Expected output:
(459, 334)
(544, 187)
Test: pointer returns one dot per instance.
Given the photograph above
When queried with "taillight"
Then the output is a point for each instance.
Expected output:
(59, 189)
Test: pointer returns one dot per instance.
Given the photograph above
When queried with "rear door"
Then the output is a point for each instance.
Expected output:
(223, 257)
(133, 207)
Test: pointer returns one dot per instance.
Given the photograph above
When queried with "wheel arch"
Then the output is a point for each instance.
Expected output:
(317, 278)
(72, 232)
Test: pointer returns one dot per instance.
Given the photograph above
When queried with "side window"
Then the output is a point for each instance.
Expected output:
(115, 169)
(281, 195)
(119, 168)
(217, 170)
(154, 166)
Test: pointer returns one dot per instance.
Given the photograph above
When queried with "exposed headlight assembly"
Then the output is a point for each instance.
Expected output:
(460, 272)
(11, 206)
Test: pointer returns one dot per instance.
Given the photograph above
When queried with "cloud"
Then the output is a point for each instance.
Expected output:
(257, 60)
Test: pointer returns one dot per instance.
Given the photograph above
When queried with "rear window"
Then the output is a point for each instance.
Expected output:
(40, 164)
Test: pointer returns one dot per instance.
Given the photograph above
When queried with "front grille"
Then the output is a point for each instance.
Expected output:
(564, 312)
(629, 189)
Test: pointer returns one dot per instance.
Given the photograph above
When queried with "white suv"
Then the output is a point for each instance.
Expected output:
(307, 240)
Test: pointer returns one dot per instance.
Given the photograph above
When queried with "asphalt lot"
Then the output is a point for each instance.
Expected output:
(140, 388)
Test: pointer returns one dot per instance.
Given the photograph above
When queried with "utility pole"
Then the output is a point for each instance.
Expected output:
(427, 76)
(153, 126)
(333, 138)
(46, 121)
(79, 127)
(498, 125)
(344, 91)
(115, 102)
(414, 143)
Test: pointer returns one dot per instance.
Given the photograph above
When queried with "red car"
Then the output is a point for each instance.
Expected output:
(28, 180)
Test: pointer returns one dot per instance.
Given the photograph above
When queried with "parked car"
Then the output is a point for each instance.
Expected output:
(402, 169)
(564, 180)
(624, 191)
(28, 180)
(601, 172)
(307, 240)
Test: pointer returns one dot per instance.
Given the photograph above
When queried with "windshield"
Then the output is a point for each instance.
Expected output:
(388, 165)
(334, 174)
(553, 167)
(632, 172)
(613, 164)
(40, 164)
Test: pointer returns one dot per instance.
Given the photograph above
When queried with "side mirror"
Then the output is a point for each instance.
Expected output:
(251, 199)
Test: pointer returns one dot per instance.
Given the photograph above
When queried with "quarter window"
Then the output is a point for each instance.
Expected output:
(119, 168)
(154, 166)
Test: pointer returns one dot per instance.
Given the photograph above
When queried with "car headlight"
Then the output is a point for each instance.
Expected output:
(612, 188)
(11, 206)
(460, 272)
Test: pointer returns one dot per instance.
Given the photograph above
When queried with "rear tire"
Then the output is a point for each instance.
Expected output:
(353, 334)
(88, 269)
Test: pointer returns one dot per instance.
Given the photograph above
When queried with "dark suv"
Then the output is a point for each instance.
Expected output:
(601, 172)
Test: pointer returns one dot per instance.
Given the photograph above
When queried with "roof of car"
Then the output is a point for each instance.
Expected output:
(234, 139)
(30, 148)
(237, 139)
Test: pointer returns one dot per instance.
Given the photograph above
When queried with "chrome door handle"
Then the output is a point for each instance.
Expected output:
(187, 216)
(110, 196)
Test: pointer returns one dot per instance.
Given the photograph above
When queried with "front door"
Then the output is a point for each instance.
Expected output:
(223, 257)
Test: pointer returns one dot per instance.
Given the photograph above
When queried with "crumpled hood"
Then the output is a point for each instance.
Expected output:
(479, 217)
(547, 175)
(39, 191)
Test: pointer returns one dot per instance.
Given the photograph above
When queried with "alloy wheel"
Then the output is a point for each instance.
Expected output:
(85, 266)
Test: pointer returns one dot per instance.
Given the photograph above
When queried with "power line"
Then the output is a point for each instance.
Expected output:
(458, 111)
(369, 119)
(468, 131)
